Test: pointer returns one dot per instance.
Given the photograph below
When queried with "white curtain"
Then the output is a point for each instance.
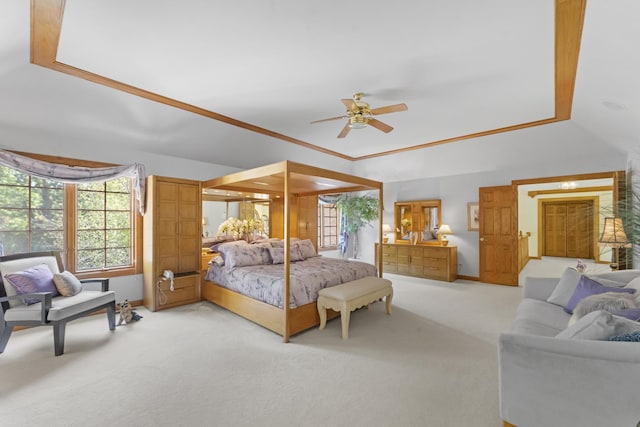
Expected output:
(75, 174)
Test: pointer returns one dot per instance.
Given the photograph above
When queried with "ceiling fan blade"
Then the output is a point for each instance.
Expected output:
(345, 131)
(349, 104)
(332, 118)
(380, 126)
(389, 109)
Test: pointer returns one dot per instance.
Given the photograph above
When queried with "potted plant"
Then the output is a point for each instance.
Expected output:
(358, 211)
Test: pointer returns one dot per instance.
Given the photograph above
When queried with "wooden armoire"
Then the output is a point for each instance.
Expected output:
(172, 236)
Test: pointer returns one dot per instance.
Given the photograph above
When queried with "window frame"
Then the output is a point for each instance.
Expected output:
(68, 254)
(321, 226)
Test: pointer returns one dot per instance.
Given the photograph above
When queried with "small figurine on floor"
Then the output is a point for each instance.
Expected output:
(127, 315)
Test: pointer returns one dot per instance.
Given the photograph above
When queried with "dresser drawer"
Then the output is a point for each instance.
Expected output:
(185, 290)
(435, 252)
(389, 267)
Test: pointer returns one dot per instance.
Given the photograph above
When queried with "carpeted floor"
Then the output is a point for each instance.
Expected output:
(431, 363)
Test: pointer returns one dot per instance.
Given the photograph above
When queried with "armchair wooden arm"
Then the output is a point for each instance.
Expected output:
(104, 281)
(45, 298)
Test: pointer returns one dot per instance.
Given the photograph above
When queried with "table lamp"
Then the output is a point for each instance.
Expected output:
(443, 231)
(386, 229)
(613, 236)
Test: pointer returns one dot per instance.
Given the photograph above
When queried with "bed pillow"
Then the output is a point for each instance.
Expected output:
(279, 243)
(67, 284)
(242, 255)
(35, 279)
(277, 254)
(587, 286)
(217, 246)
(306, 248)
(599, 325)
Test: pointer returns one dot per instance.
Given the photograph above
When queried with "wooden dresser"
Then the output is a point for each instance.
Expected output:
(431, 262)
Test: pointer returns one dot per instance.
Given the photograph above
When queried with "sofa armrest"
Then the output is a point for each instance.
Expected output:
(539, 288)
(549, 381)
(104, 282)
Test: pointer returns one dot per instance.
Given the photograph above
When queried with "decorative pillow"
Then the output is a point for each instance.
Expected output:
(628, 313)
(599, 325)
(277, 254)
(634, 284)
(306, 248)
(588, 286)
(632, 337)
(565, 287)
(67, 284)
(242, 255)
(35, 279)
(609, 301)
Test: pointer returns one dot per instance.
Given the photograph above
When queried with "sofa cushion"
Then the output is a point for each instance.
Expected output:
(67, 284)
(535, 317)
(587, 286)
(599, 325)
(38, 278)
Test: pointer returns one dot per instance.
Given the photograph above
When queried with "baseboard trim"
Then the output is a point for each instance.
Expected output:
(473, 278)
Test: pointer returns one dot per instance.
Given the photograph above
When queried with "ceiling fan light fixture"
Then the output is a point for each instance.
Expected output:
(358, 121)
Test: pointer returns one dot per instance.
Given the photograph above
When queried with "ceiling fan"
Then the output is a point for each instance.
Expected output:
(360, 115)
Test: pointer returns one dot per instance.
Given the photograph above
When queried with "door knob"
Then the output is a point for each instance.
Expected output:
(482, 239)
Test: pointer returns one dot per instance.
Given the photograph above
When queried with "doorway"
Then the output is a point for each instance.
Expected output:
(567, 227)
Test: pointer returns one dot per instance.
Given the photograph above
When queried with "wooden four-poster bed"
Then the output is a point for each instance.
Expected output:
(292, 189)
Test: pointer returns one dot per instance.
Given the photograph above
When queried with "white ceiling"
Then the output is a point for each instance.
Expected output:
(461, 67)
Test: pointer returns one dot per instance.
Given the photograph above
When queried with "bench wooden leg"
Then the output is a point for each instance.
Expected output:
(388, 301)
(322, 312)
(345, 315)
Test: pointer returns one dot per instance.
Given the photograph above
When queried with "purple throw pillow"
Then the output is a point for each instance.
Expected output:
(586, 287)
(31, 280)
(629, 313)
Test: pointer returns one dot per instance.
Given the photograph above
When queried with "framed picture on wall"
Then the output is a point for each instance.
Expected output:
(473, 216)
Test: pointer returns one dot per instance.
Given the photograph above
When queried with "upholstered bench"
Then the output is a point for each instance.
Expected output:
(352, 295)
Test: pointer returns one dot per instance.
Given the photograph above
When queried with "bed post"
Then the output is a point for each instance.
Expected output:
(287, 256)
(378, 254)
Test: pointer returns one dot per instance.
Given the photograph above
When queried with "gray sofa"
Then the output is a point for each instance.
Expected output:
(549, 381)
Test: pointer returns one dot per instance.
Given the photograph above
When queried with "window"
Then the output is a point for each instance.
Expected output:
(327, 226)
(104, 225)
(31, 213)
(94, 225)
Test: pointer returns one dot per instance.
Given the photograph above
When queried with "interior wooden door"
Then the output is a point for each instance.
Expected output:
(568, 228)
(498, 207)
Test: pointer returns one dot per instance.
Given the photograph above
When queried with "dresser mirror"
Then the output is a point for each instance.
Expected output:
(416, 222)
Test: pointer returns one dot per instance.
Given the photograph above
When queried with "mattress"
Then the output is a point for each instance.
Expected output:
(265, 282)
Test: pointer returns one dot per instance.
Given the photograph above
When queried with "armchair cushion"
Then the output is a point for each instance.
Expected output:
(38, 278)
(67, 284)
(61, 307)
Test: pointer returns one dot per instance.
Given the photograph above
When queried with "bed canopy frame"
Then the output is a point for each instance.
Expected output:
(284, 181)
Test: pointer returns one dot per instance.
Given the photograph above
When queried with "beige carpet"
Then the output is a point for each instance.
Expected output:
(431, 363)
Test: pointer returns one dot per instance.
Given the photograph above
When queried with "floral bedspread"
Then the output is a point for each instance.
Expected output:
(265, 282)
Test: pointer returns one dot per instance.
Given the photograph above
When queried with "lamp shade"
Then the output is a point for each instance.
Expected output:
(445, 229)
(386, 228)
(613, 234)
